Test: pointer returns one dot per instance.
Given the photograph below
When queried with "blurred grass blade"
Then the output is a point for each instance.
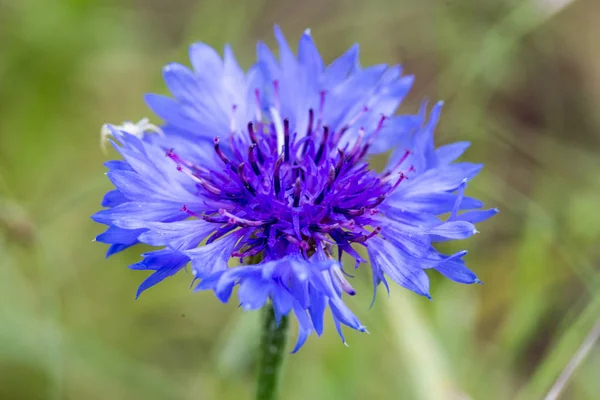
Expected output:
(237, 350)
(577, 359)
(418, 348)
(562, 352)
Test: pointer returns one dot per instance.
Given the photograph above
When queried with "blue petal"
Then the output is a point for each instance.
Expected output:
(168, 110)
(282, 301)
(304, 326)
(136, 215)
(454, 230)
(338, 328)
(432, 203)
(317, 309)
(348, 98)
(440, 179)
(389, 260)
(390, 92)
(118, 164)
(210, 282)
(206, 61)
(411, 221)
(115, 248)
(158, 259)
(155, 278)
(181, 82)
(267, 62)
(223, 287)
(131, 184)
(115, 235)
(457, 271)
(177, 235)
(213, 257)
(253, 293)
(395, 134)
(450, 152)
(113, 198)
(309, 56)
(292, 283)
(286, 56)
(232, 68)
(460, 195)
(165, 262)
(341, 67)
(299, 289)
(343, 314)
(378, 277)
(414, 244)
(477, 216)
(424, 149)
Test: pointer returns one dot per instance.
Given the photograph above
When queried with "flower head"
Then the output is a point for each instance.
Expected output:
(274, 163)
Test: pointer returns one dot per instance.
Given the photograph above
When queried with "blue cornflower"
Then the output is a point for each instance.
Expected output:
(274, 163)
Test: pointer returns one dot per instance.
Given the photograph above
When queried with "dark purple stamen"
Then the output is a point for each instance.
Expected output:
(300, 243)
(250, 251)
(323, 145)
(219, 152)
(222, 155)
(309, 129)
(286, 136)
(253, 160)
(378, 201)
(323, 228)
(215, 219)
(276, 176)
(340, 133)
(210, 187)
(311, 117)
(350, 211)
(399, 163)
(297, 191)
(364, 238)
(245, 182)
(357, 145)
(251, 132)
(206, 184)
(173, 156)
(186, 210)
(364, 151)
(340, 163)
(221, 232)
(378, 129)
(253, 138)
(366, 147)
(320, 198)
(234, 219)
(331, 177)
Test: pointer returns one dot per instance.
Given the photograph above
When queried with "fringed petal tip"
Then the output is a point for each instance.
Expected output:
(293, 285)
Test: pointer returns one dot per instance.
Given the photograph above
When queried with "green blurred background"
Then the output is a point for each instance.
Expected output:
(521, 80)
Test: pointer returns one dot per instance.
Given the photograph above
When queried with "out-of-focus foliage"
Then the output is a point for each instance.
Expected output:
(521, 80)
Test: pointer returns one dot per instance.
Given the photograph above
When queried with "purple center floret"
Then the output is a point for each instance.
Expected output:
(309, 193)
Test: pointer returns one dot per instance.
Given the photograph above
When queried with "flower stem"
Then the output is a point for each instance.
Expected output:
(271, 354)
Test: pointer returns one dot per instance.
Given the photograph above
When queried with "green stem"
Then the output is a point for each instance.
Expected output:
(272, 347)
